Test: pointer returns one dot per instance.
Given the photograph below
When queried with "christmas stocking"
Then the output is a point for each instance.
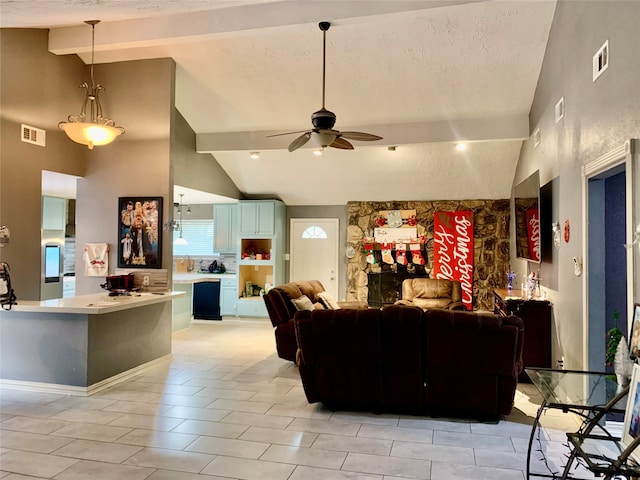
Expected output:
(401, 253)
(368, 251)
(416, 254)
(386, 253)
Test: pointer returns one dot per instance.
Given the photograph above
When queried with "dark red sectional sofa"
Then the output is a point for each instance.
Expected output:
(281, 311)
(401, 358)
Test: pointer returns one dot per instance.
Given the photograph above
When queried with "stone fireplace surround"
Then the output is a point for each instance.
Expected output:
(491, 242)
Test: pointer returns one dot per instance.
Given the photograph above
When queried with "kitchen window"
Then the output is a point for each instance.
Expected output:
(199, 235)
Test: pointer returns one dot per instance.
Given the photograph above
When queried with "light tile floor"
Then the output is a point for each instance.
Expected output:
(226, 407)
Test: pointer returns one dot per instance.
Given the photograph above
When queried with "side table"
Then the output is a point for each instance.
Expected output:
(590, 395)
(536, 315)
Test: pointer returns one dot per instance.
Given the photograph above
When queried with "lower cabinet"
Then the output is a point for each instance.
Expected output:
(228, 296)
(536, 315)
(206, 300)
(252, 307)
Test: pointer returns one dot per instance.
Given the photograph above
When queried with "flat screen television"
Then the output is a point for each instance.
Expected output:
(527, 218)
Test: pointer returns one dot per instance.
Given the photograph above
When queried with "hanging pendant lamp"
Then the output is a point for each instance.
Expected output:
(91, 128)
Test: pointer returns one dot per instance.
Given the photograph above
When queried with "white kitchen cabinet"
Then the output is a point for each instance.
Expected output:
(53, 213)
(257, 217)
(253, 307)
(261, 245)
(228, 296)
(225, 218)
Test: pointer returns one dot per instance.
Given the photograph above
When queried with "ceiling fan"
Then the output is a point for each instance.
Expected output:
(323, 120)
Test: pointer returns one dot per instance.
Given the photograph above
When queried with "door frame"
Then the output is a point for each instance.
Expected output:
(336, 266)
(621, 155)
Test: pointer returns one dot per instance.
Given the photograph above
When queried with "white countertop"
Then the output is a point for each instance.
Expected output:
(199, 277)
(96, 303)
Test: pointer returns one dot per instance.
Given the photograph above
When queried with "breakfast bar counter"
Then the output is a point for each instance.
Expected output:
(83, 344)
(97, 303)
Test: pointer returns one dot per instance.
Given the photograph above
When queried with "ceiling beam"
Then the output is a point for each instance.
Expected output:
(208, 24)
(478, 130)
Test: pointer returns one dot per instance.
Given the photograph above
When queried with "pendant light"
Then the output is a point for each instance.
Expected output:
(91, 128)
(181, 240)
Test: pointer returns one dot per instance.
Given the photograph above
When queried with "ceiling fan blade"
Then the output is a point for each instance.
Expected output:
(341, 143)
(300, 141)
(328, 131)
(286, 133)
(360, 136)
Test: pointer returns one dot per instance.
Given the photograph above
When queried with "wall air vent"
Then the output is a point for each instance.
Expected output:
(33, 135)
(559, 109)
(601, 60)
(536, 137)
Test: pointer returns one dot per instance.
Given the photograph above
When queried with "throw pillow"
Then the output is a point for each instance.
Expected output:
(329, 301)
(302, 303)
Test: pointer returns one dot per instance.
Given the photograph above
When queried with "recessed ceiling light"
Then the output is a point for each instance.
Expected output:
(461, 147)
(254, 155)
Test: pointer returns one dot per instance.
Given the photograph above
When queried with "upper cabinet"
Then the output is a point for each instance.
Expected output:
(53, 213)
(257, 217)
(225, 218)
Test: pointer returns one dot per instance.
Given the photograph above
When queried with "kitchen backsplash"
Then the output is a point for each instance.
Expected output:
(184, 264)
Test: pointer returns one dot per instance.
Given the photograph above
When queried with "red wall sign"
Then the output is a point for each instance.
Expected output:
(533, 233)
(453, 250)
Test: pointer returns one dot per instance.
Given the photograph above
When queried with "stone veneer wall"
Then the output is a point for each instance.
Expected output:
(491, 241)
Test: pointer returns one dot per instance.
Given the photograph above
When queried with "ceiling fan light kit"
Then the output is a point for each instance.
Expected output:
(323, 120)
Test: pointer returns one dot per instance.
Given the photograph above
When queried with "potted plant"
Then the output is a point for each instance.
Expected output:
(617, 353)
(613, 339)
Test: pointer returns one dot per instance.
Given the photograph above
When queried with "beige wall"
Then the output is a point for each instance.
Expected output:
(41, 89)
(599, 116)
(38, 89)
(141, 99)
(199, 171)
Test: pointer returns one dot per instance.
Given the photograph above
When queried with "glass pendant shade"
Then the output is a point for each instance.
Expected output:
(91, 128)
(181, 240)
(90, 134)
(323, 139)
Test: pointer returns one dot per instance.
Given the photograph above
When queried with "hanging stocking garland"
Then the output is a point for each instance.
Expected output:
(401, 253)
(416, 254)
(368, 251)
(386, 254)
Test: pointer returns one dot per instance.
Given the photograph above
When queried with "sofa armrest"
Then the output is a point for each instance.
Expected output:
(406, 303)
(354, 305)
(457, 306)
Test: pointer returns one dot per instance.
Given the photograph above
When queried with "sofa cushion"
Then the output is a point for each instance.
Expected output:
(343, 347)
(328, 301)
(302, 303)
(309, 289)
(289, 291)
(426, 303)
(316, 285)
(432, 289)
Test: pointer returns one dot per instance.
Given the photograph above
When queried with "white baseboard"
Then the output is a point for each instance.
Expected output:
(82, 391)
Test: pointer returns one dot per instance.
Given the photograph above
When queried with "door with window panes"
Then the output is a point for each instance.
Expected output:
(314, 251)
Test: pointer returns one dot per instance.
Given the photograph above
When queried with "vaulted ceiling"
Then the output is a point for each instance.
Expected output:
(424, 75)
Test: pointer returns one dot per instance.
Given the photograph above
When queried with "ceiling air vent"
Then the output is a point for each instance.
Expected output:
(33, 135)
(601, 60)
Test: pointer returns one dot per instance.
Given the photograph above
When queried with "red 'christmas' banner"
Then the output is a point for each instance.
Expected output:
(533, 233)
(453, 250)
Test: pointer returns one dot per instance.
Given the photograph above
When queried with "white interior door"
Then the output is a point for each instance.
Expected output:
(314, 251)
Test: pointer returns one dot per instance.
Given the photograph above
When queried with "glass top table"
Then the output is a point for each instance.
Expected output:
(590, 395)
(576, 390)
